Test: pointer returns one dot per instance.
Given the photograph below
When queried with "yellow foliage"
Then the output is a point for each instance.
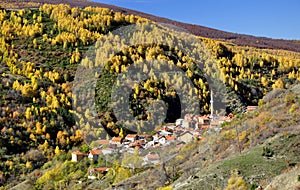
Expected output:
(278, 84)
(242, 136)
(165, 188)
(236, 182)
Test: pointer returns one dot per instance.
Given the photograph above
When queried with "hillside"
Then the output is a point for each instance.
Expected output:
(253, 147)
(61, 65)
(238, 39)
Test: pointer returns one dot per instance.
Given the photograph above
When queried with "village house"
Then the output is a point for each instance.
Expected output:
(77, 156)
(155, 137)
(165, 133)
(170, 138)
(189, 123)
(126, 142)
(251, 108)
(186, 137)
(178, 122)
(203, 120)
(103, 142)
(204, 127)
(145, 137)
(162, 140)
(152, 158)
(178, 128)
(94, 154)
(170, 127)
(188, 116)
(131, 137)
(94, 173)
(149, 144)
(138, 143)
(116, 140)
(225, 118)
(108, 151)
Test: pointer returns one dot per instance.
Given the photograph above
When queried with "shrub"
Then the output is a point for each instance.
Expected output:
(236, 182)
(267, 152)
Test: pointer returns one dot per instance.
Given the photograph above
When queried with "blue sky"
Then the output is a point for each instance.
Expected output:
(269, 18)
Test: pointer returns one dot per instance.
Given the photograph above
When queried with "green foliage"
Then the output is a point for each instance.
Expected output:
(62, 172)
(84, 148)
(267, 152)
(253, 187)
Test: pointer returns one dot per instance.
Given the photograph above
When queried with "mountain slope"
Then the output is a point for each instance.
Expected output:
(238, 39)
(43, 59)
(210, 164)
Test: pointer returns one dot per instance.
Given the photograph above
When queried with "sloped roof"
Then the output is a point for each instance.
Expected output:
(131, 136)
(101, 169)
(79, 153)
(117, 139)
(103, 142)
(170, 138)
(153, 156)
(96, 152)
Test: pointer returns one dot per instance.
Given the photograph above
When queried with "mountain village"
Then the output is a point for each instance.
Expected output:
(183, 131)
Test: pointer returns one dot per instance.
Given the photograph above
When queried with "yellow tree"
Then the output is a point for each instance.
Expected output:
(121, 133)
(236, 182)
(278, 84)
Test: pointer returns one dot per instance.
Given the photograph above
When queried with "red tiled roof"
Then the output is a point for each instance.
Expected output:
(168, 129)
(102, 169)
(117, 139)
(170, 138)
(103, 142)
(137, 143)
(158, 129)
(205, 126)
(131, 136)
(79, 153)
(96, 152)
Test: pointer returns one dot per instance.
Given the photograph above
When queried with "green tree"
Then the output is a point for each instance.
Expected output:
(84, 148)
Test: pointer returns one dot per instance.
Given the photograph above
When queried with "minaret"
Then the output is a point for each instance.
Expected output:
(211, 104)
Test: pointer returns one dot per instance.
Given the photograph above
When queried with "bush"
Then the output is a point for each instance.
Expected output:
(85, 148)
(267, 152)
(236, 182)
(290, 98)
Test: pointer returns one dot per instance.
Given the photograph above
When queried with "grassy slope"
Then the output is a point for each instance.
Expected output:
(255, 168)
